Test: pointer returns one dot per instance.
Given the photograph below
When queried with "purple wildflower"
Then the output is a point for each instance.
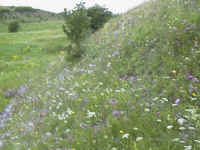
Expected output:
(112, 101)
(85, 100)
(116, 113)
(195, 79)
(192, 88)
(158, 113)
(190, 91)
(190, 76)
(76, 96)
(177, 101)
(185, 136)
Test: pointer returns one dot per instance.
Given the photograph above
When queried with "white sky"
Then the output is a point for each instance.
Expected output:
(116, 6)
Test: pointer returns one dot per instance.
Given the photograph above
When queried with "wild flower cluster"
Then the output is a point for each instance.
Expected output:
(137, 89)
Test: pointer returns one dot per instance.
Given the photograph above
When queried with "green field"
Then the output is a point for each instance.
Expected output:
(26, 55)
(135, 88)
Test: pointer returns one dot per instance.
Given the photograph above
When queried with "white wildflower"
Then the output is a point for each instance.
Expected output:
(139, 139)
(169, 127)
(48, 134)
(158, 120)
(198, 141)
(66, 92)
(182, 128)
(183, 142)
(191, 128)
(100, 83)
(105, 137)
(91, 114)
(181, 121)
(69, 111)
(155, 99)
(54, 101)
(67, 130)
(186, 58)
(165, 99)
(1, 144)
(176, 140)
(117, 91)
(54, 114)
(196, 43)
(58, 107)
(147, 110)
(126, 135)
(192, 111)
(123, 90)
(186, 116)
(90, 71)
(60, 117)
(92, 65)
(188, 147)
(135, 129)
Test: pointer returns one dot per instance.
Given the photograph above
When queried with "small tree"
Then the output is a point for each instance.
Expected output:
(76, 27)
(13, 26)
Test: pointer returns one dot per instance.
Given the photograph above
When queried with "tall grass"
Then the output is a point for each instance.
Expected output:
(136, 89)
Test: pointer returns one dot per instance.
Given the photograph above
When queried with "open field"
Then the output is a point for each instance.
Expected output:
(135, 88)
(27, 54)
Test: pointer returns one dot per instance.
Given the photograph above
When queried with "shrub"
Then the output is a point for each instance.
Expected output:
(99, 16)
(3, 12)
(76, 27)
(13, 26)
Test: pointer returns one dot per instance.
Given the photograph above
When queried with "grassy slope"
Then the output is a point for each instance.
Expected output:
(34, 47)
(122, 95)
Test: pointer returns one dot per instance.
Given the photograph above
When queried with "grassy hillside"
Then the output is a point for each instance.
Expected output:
(137, 88)
(27, 54)
(26, 14)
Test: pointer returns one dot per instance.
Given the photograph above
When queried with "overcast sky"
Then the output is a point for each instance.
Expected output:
(116, 6)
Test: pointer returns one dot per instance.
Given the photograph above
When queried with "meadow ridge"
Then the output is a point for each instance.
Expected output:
(135, 88)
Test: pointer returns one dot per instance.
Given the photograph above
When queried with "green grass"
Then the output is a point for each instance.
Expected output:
(136, 88)
(3, 28)
(27, 54)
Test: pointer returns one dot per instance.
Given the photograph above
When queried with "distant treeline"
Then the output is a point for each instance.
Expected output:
(25, 9)
(25, 14)
(17, 9)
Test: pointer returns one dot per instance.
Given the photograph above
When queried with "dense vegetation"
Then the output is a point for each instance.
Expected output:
(99, 16)
(80, 22)
(25, 9)
(76, 27)
(136, 88)
(13, 26)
